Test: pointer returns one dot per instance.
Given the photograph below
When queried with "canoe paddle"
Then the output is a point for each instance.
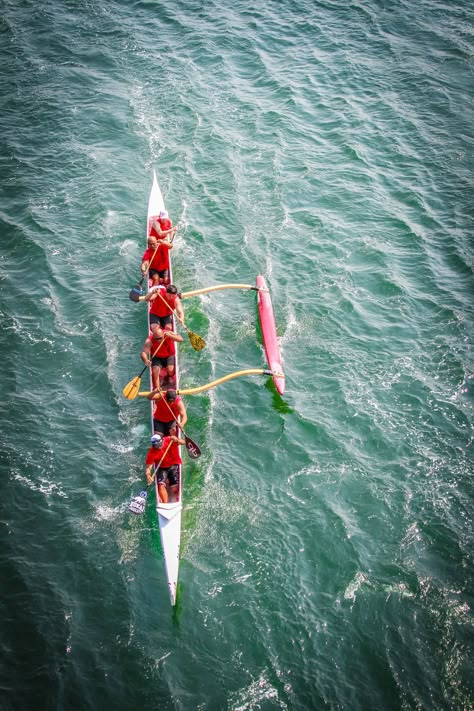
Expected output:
(131, 389)
(138, 502)
(192, 448)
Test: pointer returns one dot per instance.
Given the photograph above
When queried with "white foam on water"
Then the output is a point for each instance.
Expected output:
(128, 247)
(259, 692)
(39, 483)
(355, 585)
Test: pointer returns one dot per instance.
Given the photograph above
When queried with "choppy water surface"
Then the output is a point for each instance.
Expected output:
(327, 544)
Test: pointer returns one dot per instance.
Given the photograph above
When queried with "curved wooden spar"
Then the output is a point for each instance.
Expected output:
(269, 334)
(224, 379)
(217, 287)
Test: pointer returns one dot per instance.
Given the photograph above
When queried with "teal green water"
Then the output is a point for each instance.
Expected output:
(327, 539)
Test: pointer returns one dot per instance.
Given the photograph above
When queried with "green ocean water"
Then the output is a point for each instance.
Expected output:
(327, 544)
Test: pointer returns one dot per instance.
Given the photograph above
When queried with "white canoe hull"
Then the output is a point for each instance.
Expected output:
(169, 515)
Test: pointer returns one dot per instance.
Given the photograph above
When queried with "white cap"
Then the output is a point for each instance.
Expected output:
(157, 439)
(164, 213)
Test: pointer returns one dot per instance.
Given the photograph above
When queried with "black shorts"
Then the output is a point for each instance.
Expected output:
(162, 320)
(170, 473)
(163, 274)
(163, 427)
(162, 362)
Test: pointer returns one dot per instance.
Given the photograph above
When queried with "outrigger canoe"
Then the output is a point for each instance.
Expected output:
(169, 515)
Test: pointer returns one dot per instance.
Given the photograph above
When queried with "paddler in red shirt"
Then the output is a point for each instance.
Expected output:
(167, 404)
(162, 227)
(164, 453)
(159, 351)
(156, 260)
(164, 300)
(162, 230)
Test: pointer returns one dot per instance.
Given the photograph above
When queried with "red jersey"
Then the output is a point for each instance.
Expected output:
(164, 223)
(165, 348)
(162, 410)
(172, 456)
(159, 307)
(160, 261)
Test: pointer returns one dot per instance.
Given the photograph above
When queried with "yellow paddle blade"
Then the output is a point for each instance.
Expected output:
(131, 389)
(197, 342)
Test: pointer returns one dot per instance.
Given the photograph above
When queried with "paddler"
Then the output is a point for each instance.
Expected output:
(156, 260)
(169, 408)
(164, 300)
(159, 352)
(162, 227)
(164, 451)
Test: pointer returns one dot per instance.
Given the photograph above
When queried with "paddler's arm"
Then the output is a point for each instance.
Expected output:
(179, 309)
(146, 259)
(178, 440)
(174, 336)
(182, 414)
(150, 457)
(166, 243)
(148, 297)
(159, 231)
(155, 394)
(148, 474)
(145, 354)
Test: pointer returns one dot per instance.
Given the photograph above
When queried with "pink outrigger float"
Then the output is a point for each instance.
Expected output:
(269, 333)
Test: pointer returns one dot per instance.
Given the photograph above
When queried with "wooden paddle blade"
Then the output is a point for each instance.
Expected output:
(197, 342)
(192, 448)
(131, 389)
